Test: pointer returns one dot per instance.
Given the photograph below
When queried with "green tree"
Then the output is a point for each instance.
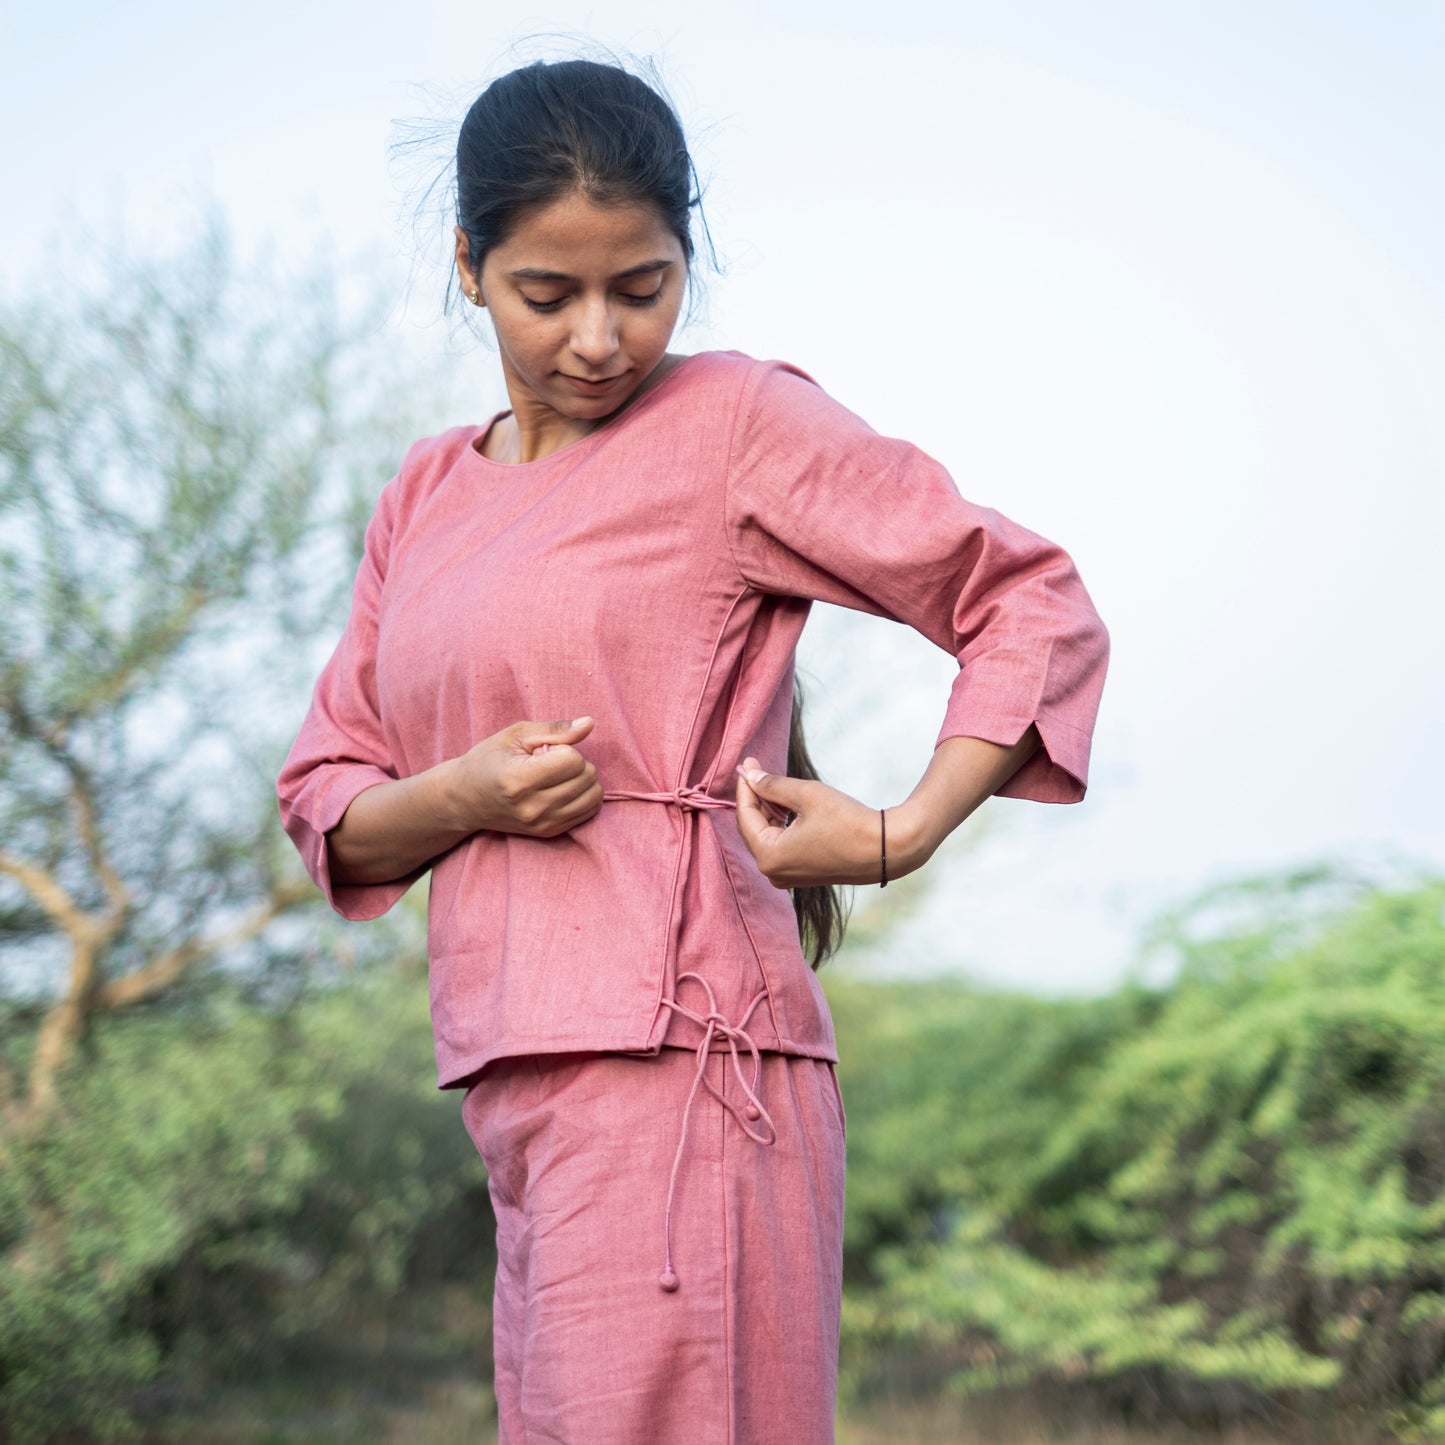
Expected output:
(1221, 1197)
(188, 450)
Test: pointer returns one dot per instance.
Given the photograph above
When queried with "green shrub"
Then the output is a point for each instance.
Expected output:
(219, 1179)
(1224, 1193)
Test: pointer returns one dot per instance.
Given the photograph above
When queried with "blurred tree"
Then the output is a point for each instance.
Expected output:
(188, 452)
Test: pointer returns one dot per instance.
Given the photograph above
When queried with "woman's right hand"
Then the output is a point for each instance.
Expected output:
(529, 779)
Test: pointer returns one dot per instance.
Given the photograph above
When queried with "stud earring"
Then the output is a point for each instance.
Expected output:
(476, 296)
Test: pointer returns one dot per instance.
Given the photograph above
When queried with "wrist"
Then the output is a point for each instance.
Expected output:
(448, 799)
(910, 841)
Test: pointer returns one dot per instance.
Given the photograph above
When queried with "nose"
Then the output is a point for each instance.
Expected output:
(594, 333)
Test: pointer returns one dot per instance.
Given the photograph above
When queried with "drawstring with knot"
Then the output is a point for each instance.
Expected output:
(690, 799)
(714, 1025)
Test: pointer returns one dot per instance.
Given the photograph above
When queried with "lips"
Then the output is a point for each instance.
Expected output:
(588, 384)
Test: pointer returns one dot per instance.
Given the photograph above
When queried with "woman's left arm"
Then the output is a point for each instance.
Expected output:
(820, 506)
(832, 838)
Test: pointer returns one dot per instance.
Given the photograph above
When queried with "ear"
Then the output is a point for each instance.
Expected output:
(471, 283)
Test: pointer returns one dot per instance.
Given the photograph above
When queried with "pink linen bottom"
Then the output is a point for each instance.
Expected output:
(590, 1349)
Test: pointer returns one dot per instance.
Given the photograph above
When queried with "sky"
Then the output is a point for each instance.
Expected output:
(1159, 281)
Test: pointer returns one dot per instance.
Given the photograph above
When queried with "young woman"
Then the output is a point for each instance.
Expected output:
(566, 688)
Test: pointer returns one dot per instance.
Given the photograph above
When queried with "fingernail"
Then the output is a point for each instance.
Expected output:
(578, 721)
(754, 775)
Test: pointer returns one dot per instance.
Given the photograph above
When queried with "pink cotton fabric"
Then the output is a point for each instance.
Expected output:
(578, 1151)
(656, 575)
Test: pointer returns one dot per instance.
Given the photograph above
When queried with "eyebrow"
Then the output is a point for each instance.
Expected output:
(538, 273)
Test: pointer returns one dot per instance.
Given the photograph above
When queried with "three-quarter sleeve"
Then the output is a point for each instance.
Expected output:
(819, 505)
(341, 749)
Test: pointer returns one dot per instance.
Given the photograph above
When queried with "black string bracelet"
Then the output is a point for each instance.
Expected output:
(883, 849)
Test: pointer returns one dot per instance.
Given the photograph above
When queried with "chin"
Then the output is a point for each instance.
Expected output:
(590, 408)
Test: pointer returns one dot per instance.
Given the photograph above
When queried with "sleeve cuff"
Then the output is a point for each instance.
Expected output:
(1057, 773)
(314, 815)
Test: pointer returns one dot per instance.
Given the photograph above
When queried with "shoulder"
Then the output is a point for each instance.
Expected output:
(758, 391)
(781, 404)
(429, 460)
(736, 369)
(425, 467)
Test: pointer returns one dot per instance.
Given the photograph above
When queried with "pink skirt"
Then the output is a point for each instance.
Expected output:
(669, 1261)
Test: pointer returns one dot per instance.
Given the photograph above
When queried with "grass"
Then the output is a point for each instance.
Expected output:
(419, 1374)
(442, 1413)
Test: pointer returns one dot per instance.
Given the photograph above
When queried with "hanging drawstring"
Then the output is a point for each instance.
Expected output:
(714, 1025)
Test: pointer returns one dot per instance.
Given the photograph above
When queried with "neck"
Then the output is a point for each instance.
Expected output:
(534, 431)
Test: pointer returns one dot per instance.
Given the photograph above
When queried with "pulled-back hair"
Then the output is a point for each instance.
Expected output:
(559, 128)
(554, 129)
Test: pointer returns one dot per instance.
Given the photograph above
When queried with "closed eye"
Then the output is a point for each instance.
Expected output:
(546, 307)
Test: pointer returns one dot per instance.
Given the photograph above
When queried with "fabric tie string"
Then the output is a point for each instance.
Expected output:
(714, 1025)
(689, 799)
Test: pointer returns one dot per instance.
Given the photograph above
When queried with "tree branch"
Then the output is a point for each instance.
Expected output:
(47, 891)
(64, 1021)
(162, 971)
(62, 1026)
(83, 795)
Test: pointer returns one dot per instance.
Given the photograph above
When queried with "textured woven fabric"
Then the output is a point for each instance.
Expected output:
(589, 1350)
(656, 575)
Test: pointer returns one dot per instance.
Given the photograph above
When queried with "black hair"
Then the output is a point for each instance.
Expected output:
(552, 129)
(822, 910)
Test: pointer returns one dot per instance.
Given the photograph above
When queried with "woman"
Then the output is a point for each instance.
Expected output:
(617, 979)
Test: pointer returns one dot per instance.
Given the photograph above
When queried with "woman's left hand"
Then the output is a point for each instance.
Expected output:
(803, 833)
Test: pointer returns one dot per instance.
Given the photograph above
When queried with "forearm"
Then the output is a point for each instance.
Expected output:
(395, 828)
(529, 779)
(961, 775)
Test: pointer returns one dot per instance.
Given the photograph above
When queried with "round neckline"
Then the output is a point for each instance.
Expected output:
(572, 448)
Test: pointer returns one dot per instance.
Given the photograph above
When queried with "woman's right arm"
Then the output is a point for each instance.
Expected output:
(364, 831)
(529, 779)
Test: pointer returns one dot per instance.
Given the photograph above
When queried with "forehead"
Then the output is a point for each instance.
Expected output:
(578, 237)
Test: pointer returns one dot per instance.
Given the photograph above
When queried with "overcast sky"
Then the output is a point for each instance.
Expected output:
(1160, 281)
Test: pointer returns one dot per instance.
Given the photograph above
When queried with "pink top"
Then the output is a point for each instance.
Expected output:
(656, 575)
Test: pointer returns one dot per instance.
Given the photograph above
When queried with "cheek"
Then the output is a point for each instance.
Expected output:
(523, 339)
(657, 323)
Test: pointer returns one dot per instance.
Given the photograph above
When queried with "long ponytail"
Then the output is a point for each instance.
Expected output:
(822, 910)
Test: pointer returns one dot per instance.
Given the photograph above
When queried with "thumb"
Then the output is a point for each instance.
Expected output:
(776, 788)
(536, 737)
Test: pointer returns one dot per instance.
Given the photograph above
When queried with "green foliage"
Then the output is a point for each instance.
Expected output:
(1232, 1185)
(1205, 1197)
(185, 445)
(220, 1180)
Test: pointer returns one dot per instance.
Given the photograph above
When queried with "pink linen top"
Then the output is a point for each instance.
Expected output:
(656, 575)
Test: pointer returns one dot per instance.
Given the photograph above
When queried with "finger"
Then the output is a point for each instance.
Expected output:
(785, 793)
(586, 805)
(561, 765)
(535, 736)
(564, 816)
(758, 831)
(774, 814)
(563, 794)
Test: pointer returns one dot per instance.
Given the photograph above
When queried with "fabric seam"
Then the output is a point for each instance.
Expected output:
(749, 385)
